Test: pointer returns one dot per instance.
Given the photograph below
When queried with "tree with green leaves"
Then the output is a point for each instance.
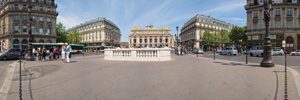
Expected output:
(238, 33)
(74, 37)
(208, 38)
(61, 33)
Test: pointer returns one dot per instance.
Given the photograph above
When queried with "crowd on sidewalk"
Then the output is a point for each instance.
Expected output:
(54, 53)
(182, 51)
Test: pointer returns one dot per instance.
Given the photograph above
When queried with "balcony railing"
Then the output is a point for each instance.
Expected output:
(34, 10)
(257, 4)
(274, 29)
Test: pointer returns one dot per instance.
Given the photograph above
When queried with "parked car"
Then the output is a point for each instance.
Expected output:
(219, 50)
(248, 52)
(229, 51)
(258, 51)
(279, 52)
(198, 51)
(295, 53)
(10, 54)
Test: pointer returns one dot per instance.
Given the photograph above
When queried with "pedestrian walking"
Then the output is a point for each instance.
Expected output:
(23, 53)
(33, 53)
(185, 51)
(38, 53)
(44, 53)
(182, 51)
(51, 53)
(63, 53)
(55, 53)
(58, 52)
(68, 52)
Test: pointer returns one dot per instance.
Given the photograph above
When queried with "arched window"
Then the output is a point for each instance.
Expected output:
(41, 41)
(16, 43)
(24, 43)
(49, 41)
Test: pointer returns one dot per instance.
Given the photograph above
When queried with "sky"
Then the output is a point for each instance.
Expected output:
(126, 13)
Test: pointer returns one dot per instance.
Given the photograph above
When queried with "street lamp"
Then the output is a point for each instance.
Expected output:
(177, 36)
(267, 60)
(29, 49)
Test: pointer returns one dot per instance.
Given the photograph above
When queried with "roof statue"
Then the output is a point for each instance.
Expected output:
(135, 28)
(166, 26)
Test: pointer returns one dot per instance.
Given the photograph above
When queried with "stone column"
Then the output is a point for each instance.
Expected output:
(153, 41)
(132, 41)
(148, 41)
(169, 42)
(138, 41)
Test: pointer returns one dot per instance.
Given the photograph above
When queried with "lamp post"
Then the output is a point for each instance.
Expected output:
(267, 60)
(29, 49)
(177, 36)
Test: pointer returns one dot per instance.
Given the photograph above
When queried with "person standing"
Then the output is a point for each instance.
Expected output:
(63, 54)
(44, 52)
(33, 53)
(68, 53)
(185, 51)
(23, 53)
(38, 55)
(55, 53)
(51, 53)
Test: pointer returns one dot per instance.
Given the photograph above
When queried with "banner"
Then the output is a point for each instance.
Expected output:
(272, 36)
(255, 37)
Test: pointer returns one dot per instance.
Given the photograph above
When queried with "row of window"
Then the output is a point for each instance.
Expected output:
(24, 30)
(277, 12)
(24, 18)
(24, 7)
(150, 40)
(262, 36)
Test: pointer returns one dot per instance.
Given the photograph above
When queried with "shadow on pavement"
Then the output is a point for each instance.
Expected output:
(73, 61)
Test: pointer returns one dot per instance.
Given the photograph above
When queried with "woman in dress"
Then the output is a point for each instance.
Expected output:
(44, 52)
(63, 52)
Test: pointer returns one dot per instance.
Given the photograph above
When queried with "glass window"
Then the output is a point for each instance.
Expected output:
(16, 7)
(48, 31)
(277, 12)
(32, 29)
(48, 20)
(16, 29)
(48, 9)
(41, 8)
(41, 30)
(41, 19)
(289, 12)
(24, 7)
(33, 18)
(24, 18)
(255, 14)
(16, 18)
(24, 29)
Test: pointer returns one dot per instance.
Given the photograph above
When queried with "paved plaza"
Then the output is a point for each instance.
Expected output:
(183, 78)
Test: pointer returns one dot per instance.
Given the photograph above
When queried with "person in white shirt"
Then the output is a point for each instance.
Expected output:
(68, 52)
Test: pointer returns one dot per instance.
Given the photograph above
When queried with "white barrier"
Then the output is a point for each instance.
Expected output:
(138, 54)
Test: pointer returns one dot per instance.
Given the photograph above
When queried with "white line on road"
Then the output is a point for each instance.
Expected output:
(7, 82)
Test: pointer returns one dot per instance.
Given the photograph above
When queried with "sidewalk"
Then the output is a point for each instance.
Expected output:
(183, 78)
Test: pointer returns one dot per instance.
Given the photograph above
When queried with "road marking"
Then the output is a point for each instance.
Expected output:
(296, 78)
(7, 82)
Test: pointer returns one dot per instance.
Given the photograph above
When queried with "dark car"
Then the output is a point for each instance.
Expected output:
(10, 54)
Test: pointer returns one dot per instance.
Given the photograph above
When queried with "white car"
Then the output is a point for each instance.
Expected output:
(258, 51)
(279, 52)
(198, 51)
(295, 53)
(229, 51)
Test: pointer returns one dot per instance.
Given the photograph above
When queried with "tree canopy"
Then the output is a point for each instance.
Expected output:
(61, 33)
(238, 33)
(208, 38)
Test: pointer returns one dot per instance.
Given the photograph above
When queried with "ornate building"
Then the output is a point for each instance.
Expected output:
(14, 22)
(151, 37)
(192, 31)
(284, 23)
(98, 33)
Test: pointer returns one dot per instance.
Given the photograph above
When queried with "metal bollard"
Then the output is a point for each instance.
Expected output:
(20, 87)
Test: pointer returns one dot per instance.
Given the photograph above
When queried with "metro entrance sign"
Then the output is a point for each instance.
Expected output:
(283, 43)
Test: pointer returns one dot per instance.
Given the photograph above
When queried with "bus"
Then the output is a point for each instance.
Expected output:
(76, 48)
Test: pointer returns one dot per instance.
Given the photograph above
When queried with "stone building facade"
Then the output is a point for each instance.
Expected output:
(14, 22)
(98, 33)
(284, 23)
(151, 37)
(192, 31)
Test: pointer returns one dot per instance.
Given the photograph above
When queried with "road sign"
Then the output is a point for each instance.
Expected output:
(283, 43)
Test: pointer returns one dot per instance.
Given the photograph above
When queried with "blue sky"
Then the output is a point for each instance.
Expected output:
(126, 13)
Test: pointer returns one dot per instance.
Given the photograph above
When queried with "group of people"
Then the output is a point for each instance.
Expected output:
(182, 51)
(54, 53)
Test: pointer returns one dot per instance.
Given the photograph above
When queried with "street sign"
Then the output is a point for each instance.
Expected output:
(283, 43)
